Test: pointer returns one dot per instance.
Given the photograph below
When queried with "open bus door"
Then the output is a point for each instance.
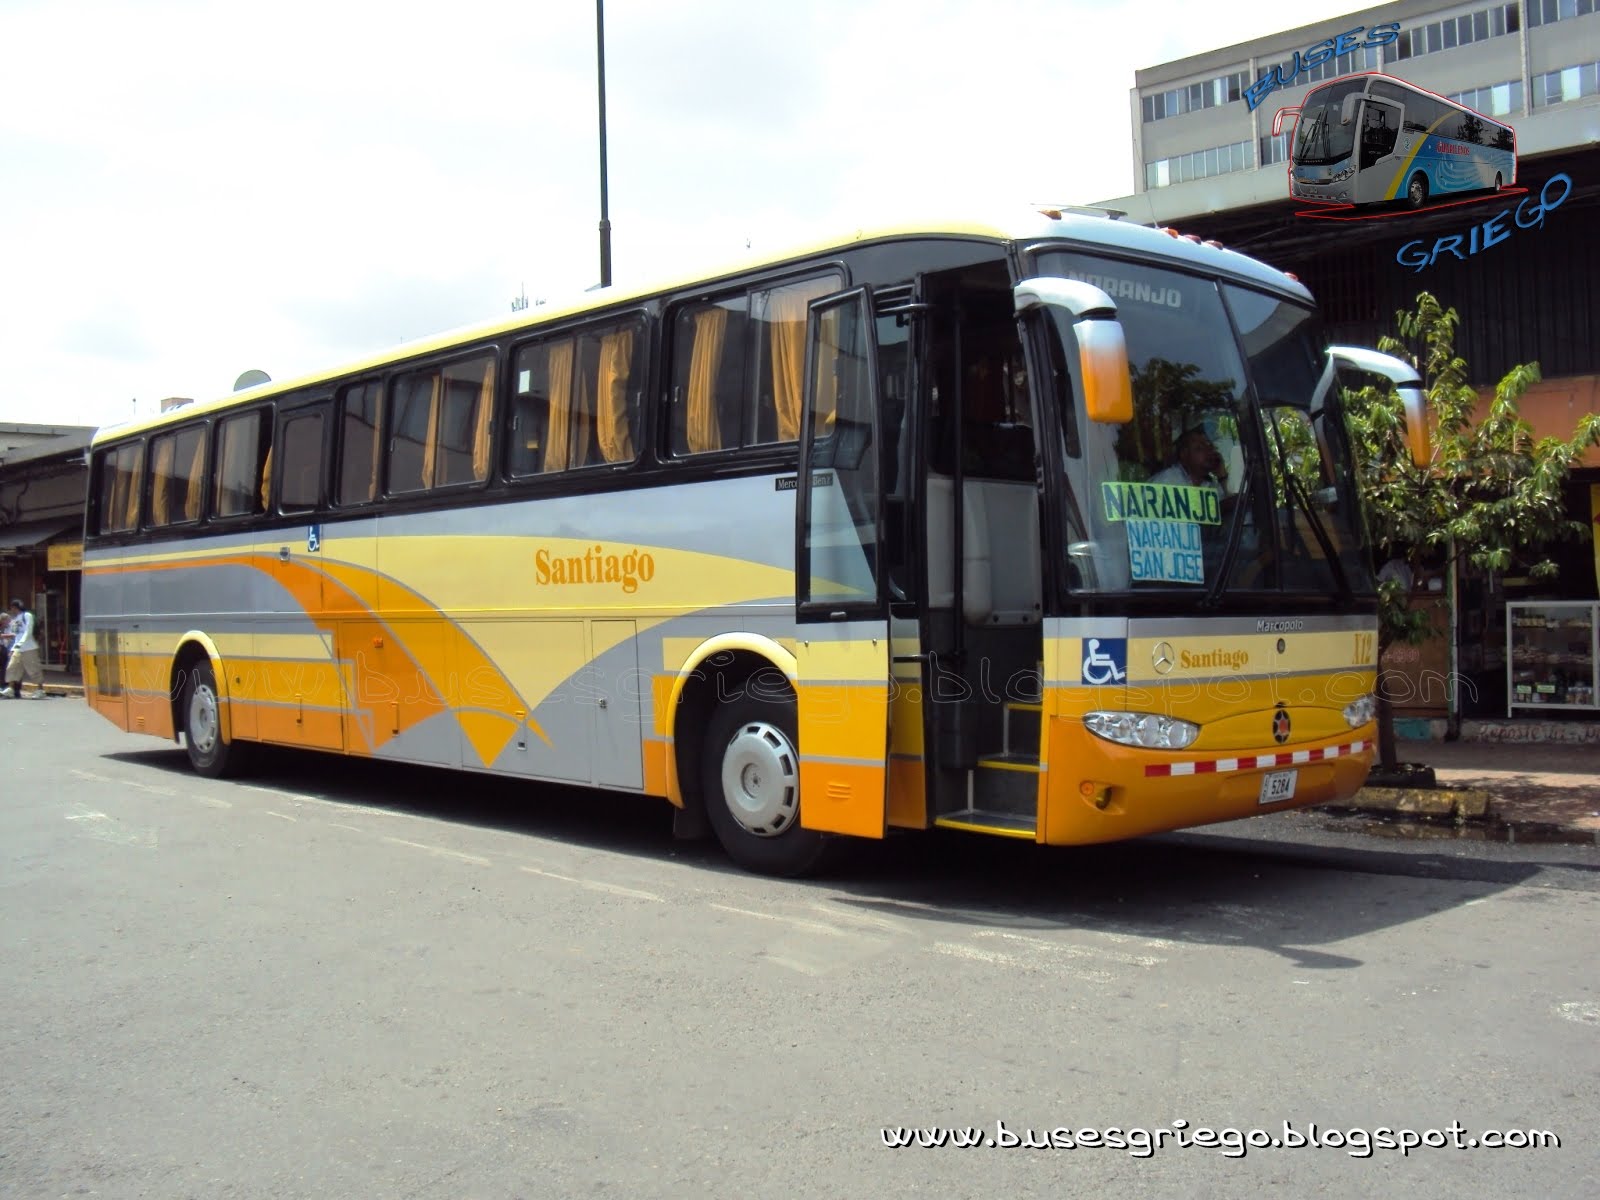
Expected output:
(842, 646)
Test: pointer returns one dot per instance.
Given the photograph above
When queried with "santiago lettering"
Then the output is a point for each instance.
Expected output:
(595, 566)
(1232, 659)
(1493, 231)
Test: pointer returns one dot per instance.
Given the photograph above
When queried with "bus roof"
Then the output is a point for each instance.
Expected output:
(1091, 229)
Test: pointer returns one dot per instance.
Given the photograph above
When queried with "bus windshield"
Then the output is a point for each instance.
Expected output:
(1235, 474)
(1320, 138)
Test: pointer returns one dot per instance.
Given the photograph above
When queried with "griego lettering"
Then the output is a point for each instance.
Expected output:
(595, 565)
(1161, 502)
(1528, 214)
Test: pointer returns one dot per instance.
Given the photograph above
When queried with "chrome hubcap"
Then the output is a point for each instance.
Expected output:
(203, 724)
(761, 779)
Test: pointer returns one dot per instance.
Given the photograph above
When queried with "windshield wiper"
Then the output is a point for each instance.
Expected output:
(1230, 548)
(1299, 498)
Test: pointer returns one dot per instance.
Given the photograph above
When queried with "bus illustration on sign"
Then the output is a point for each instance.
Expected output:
(1371, 139)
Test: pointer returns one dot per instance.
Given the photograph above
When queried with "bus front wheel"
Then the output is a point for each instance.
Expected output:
(1417, 190)
(209, 754)
(751, 781)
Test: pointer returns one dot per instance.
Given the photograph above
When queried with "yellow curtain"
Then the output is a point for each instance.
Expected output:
(266, 480)
(430, 447)
(582, 406)
(787, 317)
(130, 515)
(161, 481)
(710, 327)
(194, 495)
(828, 351)
(616, 357)
(558, 437)
(485, 421)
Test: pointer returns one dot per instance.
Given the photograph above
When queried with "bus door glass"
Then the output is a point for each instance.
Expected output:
(842, 643)
(1380, 128)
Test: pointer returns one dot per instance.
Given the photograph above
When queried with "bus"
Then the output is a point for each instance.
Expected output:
(1412, 145)
(879, 535)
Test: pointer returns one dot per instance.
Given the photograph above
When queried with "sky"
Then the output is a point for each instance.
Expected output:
(189, 190)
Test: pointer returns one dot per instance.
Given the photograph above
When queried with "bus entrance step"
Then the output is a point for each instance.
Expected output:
(1020, 728)
(999, 824)
(1007, 783)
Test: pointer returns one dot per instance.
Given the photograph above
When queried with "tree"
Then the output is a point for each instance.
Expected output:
(1489, 495)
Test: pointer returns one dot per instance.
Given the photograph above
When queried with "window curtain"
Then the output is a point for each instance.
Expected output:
(485, 421)
(161, 481)
(710, 328)
(130, 480)
(430, 444)
(616, 359)
(787, 317)
(559, 438)
(372, 403)
(266, 480)
(194, 495)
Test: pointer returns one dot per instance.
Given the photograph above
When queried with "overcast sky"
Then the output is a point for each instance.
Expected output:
(189, 190)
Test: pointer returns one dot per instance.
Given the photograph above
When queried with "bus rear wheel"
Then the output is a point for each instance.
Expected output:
(1417, 190)
(209, 754)
(751, 784)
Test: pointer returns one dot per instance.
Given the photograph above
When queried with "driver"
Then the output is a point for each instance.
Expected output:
(1199, 464)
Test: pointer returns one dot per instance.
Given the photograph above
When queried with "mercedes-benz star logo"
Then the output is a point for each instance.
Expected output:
(1163, 657)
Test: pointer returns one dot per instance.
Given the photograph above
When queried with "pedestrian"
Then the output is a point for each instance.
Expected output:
(23, 661)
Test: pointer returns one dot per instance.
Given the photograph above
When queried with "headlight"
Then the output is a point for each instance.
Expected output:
(1358, 712)
(1148, 730)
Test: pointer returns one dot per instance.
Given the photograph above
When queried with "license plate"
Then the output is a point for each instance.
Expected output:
(1277, 786)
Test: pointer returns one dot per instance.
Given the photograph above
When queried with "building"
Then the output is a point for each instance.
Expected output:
(1207, 162)
(43, 480)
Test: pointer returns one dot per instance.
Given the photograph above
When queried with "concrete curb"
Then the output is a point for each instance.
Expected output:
(1463, 808)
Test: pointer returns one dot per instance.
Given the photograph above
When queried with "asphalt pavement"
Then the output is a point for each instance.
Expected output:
(339, 978)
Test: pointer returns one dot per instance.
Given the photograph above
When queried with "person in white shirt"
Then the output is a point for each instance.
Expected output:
(1199, 464)
(23, 661)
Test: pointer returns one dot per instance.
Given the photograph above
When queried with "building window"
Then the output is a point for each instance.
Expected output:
(1548, 12)
(1217, 160)
(1569, 83)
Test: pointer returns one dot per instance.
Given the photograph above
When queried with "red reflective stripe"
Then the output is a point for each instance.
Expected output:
(1218, 766)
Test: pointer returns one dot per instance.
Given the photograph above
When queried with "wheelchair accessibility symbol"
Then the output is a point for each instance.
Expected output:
(1105, 660)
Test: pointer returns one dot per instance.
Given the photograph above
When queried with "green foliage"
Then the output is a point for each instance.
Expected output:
(1490, 494)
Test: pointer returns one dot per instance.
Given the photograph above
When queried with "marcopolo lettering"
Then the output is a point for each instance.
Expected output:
(1528, 214)
(1284, 74)
(1281, 625)
(1161, 502)
(595, 565)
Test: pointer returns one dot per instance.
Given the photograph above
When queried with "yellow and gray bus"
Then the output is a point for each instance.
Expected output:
(1044, 529)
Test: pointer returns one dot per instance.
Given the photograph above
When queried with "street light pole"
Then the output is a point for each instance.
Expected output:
(605, 207)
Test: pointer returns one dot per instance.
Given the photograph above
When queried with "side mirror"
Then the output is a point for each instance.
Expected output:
(1103, 362)
(1347, 110)
(1406, 381)
(1277, 118)
(1102, 348)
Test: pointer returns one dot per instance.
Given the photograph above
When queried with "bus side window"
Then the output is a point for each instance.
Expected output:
(177, 476)
(301, 438)
(244, 452)
(708, 369)
(778, 342)
(120, 478)
(465, 418)
(360, 436)
(530, 407)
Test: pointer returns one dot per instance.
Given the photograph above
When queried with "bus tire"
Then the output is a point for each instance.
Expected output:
(1417, 190)
(201, 710)
(750, 774)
